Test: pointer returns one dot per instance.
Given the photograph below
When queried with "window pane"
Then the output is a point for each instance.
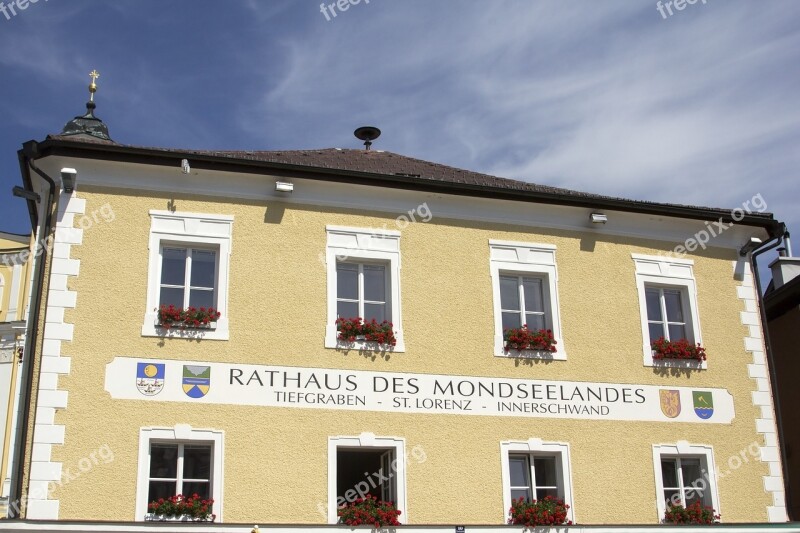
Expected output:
(347, 281)
(204, 265)
(525, 494)
(164, 461)
(692, 496)
(672, 300)
(534, 298)
(511, 320)
(161, 489)
(173, 266)
(347, 309)
(376, 311)
(653, 304)
(375, 283)
(200, 298)
(543, 493)
(545, 469)
(518, 469)
(509, 292)
(656, 331)
(202, 489)
(197, 462)
(672, 497)
(677, 332)
(171, 297)
(690, 469)
(535, 321)
(669, 473)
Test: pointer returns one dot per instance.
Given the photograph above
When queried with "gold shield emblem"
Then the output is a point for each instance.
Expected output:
(670, 402)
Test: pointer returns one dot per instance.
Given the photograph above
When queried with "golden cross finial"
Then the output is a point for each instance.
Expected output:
(93, 86)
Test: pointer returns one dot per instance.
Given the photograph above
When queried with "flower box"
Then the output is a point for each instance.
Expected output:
(369, 511)
(189, 318)
(693, 514)
(180, 508)
(681, 350)
(541, 340)
(548, 511)
(352, 330)
(152, 517)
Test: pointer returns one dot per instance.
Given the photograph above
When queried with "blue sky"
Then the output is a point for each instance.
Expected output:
(701, 107)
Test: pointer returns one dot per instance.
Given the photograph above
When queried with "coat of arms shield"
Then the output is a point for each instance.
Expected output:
(670, 402)
(150, 378)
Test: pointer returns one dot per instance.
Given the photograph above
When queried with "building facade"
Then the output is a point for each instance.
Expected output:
(15, 277)
(782, 310)
(266, 406)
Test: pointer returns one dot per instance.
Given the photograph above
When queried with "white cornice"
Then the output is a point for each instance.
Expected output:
(332, 194)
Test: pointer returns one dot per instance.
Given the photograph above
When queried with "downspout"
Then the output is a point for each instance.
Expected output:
(26, 156)
(782, 233)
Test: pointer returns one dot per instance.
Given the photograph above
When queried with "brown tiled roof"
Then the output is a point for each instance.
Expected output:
(387, 163)
(370, 161)
(383, 163)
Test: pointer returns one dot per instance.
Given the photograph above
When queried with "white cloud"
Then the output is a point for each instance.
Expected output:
(605, 97)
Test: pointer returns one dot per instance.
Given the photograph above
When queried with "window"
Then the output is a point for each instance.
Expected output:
(680, 476)
(362, 291)
(684, 475)
(363, 269)
(179, 469)
(188, 277)
(665, 314)
(522, 302)
(533, 470)
(524, 288)
(667, 304)
(533, 477)
(188, 266)
(366, 464)
(179, 460)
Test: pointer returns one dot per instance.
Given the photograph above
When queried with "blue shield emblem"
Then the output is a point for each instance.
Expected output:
(196, 380)
(150, 378)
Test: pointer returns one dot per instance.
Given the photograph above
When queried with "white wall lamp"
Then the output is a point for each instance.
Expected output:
(750, 246)
(68, 178)
(598, 218)
(284, 186)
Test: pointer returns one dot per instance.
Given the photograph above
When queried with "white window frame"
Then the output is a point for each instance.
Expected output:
(533, 447)
(670, 273)
(368, 440)
(353, 245)
(526, 259)
(180, 434)
(685, 450)
(188, 230)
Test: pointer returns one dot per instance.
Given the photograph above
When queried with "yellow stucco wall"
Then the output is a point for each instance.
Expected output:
(276, 458)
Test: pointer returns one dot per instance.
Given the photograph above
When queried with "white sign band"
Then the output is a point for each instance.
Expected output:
(357, 390)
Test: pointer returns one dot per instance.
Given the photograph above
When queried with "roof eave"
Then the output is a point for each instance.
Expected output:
(154, 156)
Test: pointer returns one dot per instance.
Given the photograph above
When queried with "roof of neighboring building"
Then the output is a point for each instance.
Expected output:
(15, 237)
(778, 301)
